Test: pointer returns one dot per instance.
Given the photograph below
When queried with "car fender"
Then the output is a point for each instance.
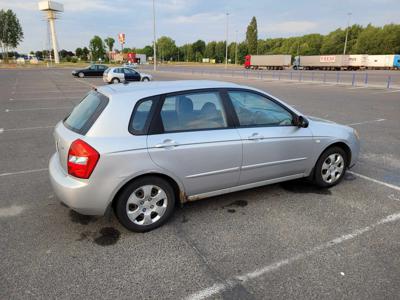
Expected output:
(155, 171)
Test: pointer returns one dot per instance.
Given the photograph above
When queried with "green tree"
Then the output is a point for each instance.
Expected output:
(11, 33)
(96, 46)
(334, 42)
(210, 50)
(79, 52)
(242, 52)
(166, 48)
(39, 54)
(252, 36)
(148, 50)
(85, 53)
(187, 52)
(391, 39)
(109, 43)
(199, 48)
(220, 51)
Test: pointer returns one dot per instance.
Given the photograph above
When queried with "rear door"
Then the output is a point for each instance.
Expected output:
(272, 146)
(100, 70)
(193, 138)
(131, 75)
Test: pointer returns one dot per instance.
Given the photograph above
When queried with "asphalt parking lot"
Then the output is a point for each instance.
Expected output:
(284, 241)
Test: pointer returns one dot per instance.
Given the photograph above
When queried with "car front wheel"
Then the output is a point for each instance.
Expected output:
(146, 79)
(145, 204)
(330, 167)
(115, 80)
(81, 75)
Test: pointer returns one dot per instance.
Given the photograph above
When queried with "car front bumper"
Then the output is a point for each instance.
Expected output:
(82, 196)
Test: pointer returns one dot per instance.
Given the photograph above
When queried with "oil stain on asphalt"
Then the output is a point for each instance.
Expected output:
(108, 236)
(81, 219)
(237, 203)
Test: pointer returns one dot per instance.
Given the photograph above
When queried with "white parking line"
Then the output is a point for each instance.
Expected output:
(11, 211)
(84, 82)
(25, 128)
(389, 185)
(366, 122)
(40, 108)
(22, 172)
(394, 91)
(388, 92)
(357, 87)
(220, 287)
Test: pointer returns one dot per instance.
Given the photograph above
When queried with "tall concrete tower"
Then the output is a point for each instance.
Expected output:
(52, 9)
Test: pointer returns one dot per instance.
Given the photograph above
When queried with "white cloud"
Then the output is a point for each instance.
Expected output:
(205, 18)
(290, 27)
(69, 5)
(5, 4)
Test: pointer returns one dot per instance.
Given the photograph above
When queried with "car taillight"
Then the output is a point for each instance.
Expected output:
(82, 159)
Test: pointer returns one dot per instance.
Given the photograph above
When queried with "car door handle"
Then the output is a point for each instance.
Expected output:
(255, 136)
(166, 144)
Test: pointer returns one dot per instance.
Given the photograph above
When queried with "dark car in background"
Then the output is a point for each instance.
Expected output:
(92, 70)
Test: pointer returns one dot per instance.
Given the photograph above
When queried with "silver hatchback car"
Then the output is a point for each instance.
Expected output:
(141, 149)
(124, 74)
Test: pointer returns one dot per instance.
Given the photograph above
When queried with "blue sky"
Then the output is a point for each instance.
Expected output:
(189, 20)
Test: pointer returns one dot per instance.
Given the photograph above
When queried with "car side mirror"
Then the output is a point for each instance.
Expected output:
(300, 121)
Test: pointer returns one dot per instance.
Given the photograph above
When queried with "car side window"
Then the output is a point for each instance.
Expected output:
(193, 111)
(140, 116)
(255, 110)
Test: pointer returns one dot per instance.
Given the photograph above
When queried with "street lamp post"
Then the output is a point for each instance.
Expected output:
(236, 46)
(347, 33)
(226, 41)
(154, 38)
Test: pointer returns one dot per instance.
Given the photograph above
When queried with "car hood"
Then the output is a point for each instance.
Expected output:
(320, 120)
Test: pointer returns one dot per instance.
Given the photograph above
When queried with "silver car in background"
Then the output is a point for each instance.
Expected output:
(141, 149)
(124, 74)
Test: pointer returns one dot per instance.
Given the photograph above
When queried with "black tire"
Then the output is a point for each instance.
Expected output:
(121, 203)
(318, 179)
(145, 79)
(81, 75)
(115, 80)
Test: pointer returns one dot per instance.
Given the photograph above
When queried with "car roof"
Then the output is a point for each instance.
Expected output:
(146, 89)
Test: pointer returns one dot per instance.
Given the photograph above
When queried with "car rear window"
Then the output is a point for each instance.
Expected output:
(86, 112)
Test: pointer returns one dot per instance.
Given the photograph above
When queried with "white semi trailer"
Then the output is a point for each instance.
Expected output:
(321, 62)
(273, 62)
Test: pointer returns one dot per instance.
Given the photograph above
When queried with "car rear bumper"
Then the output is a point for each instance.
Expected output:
(79, 195)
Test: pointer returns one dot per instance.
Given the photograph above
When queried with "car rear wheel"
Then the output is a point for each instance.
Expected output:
(145, 204)
(115, 80)
(146, 79)
(330, 167)
(81, 75)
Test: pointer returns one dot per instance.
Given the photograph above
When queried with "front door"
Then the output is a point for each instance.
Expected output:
(198, 143)
(272, 146)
